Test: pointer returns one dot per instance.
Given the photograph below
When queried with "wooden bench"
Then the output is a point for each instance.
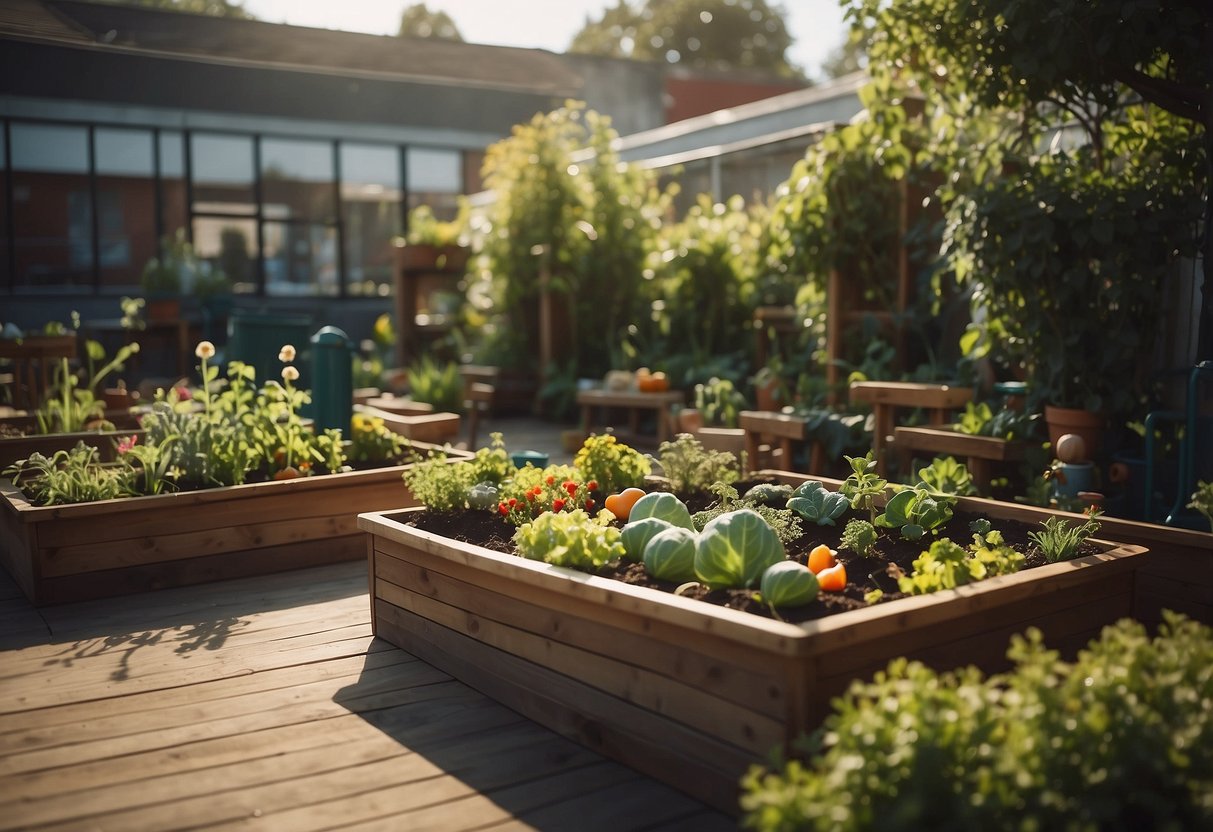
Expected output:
(633, 402)
(886, 396)
(767, 432)
(979, 452)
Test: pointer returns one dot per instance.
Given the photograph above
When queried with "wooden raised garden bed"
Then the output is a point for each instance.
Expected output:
(685, 691)
(111, 547)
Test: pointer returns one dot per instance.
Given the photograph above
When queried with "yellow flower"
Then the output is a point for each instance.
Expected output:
(286, 354)
(205, 349)
(290, 374)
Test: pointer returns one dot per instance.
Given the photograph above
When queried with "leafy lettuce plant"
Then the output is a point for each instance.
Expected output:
(816, 504)
(947, 476)
(734, 550)
(572, 539)
(916, 511)
(947, 565)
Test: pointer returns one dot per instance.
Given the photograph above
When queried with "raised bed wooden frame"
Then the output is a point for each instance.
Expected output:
(684, 691)
(111, 547)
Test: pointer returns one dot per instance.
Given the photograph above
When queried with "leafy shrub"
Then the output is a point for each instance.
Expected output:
(947, 565)
(734, 550)
(1119, 739)
(438, 384)
(573, 539)
(440, 485)
(817, 504)
(691, 468)
(371, 441)
(610, 463)
(720, 402)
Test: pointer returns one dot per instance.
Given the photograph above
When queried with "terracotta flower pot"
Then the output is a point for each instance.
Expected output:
(1088, 425)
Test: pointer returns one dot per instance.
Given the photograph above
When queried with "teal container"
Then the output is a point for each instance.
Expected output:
(256, 338)
(332, 379)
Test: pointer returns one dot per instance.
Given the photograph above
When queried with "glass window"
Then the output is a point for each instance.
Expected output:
(52, 215)
(230, 244)
(223, 173)
(435, 178)
(126, 204)
(297, 180)
(300, 259)
(370, 205)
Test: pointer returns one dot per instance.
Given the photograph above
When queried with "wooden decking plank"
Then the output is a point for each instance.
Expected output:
(29, 695)
(285, 712)
(101, 724)
(369, 747)
(213, 689)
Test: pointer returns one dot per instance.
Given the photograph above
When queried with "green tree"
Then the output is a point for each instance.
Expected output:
(849, 56)
(417, 21)
(708, 34)
(212, 8)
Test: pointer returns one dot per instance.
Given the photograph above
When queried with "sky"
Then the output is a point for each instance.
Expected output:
(816, 25)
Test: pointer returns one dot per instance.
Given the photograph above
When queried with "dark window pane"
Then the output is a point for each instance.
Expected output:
(370, 196)
(223, 174)
(172, 181)
(126, 205)
(52, 213)
(297, 180)
(300, 259)
(229, 245)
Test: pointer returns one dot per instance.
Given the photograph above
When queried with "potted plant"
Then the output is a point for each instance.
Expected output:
(221, 484)
(166, 277)
(431, 243)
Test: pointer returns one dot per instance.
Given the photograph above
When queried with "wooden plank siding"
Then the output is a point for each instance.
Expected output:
(266, 703)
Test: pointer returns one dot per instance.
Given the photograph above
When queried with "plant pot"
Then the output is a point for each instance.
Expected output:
(113, 547)
(689, 692)
(1088, 425)
(163, 309)
(424, 257)
(690, 420)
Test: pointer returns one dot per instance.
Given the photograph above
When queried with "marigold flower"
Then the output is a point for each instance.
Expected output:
(205, 350)
(290, 373)
(286, 354)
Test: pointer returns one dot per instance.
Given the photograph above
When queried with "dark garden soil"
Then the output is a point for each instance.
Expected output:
(891, 554)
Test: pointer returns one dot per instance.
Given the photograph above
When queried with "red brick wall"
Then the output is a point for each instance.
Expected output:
(687, 97)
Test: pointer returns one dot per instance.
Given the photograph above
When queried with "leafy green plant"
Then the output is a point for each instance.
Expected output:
(788, 584)
(815, 503)
(670, 555)
(426, 229)
(734, 549)
(719, 402)
(533, 491)
(769, 494)
(691, 468)
(440, 485)
(979, 419)
(72, 404)
(612, 464)
(637, 534)
(859, 536)
(371, 441)
(947, 565)
(572, 539)
(947, 476)
(70, 476)
(436, 383)
(916, 511)
(1202, 500)
(1115, 740)
(863, 486)
(784, 521)
(1059, 540)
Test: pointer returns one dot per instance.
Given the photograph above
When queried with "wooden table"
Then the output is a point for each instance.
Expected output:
(886, 396)
(979, 452)
(633, 402)
(783, 429)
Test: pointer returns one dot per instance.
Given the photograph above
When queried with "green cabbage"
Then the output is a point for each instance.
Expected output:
(735, 548)
(815, 503)
(788, 584)
(637, 534)
(670, 555)
(664, 506)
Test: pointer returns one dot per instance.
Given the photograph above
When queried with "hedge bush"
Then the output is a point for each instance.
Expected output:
(1119, 739)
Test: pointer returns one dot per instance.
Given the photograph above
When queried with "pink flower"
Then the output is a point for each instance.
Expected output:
(183, 393)
(124, 445)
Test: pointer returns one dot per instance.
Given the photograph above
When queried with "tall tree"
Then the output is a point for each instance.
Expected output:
(417, 21)
(212, 8)
(717, 34)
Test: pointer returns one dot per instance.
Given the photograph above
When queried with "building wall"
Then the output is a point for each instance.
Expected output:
(689, 96)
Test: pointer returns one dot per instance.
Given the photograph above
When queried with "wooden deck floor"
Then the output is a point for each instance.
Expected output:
(266, 704)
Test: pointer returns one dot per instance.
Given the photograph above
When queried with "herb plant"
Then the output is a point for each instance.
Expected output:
(863, 486)
(784, 521)
(1059, 540)
(75, 476)
(691, 468)
(859, 536)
